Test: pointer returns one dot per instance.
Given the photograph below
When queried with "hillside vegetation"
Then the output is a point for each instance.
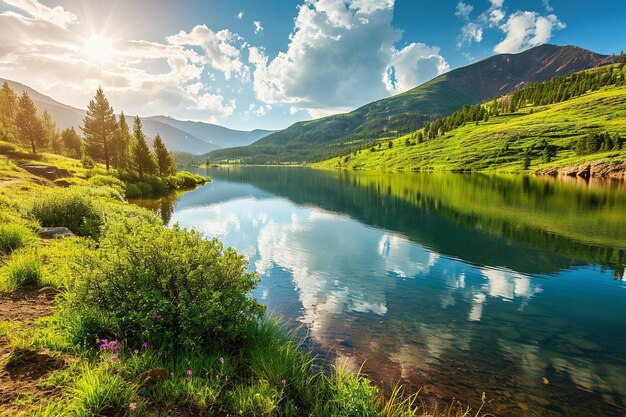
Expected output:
(323, 138)
(511, 138)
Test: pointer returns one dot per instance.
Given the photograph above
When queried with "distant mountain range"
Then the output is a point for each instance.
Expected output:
(492, 77)
(179, 136)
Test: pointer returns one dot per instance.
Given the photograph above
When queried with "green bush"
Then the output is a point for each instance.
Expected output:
(185, 179)
(107, 181)
(11, 238)
(72, 208)
(22, 269)
(170, 287)
(132, 190)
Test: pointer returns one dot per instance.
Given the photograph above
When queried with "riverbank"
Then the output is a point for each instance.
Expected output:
(90, 327)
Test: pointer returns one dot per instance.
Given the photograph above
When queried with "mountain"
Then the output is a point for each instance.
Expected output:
(403, 113)
(179, 136)
(564, 130)
(220, 136)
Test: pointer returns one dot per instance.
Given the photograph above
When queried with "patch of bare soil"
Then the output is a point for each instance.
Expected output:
(22, 370)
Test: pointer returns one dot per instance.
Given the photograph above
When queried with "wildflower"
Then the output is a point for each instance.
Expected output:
(144, 345)
(189, 372)
(158, 317)
(193, 301)
(132, 406)
(105, 346)
(115, 347)
(283, 382)
(113, 358)
(221, 360)
(135, 351)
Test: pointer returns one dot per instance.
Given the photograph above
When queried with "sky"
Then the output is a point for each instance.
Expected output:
(249, 64)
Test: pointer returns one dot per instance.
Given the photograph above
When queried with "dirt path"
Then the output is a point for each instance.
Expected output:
(19, 378)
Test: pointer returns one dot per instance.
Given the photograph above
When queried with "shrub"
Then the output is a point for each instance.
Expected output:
(72, 208)
(132, 190)
(22, 269)
(184, 179)
(87, 162)
(107, 181)
(11, 238)
(171, 287)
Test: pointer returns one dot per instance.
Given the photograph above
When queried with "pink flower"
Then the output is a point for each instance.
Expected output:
(221, 360)
(132, 406)
(158, 317)
(189, 372)
(144, 345)
(283, 382)
(113, 358)
(135, 351)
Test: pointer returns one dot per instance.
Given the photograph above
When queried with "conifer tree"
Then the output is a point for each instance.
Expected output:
(142, 158)
(71, 143)
(164, 158)
(120, 145)
(8, 111)
(28, 124)
(99, 127)
(51, 132)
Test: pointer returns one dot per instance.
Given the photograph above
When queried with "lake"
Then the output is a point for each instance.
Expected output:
(461, 284)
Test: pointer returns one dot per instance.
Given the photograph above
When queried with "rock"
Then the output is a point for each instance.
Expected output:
(595, 169)
(152, 376)
(55, 232)
(48, 291)
(48, 172)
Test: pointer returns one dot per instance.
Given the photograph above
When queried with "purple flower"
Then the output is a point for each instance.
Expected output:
(105, 346)
(283, 382)
(135, 351)
(116, 347)
(189, 372)
(221, 360)
(158, 317)
(193, 301)
(144, 345)
(132, 406)
(113, 358)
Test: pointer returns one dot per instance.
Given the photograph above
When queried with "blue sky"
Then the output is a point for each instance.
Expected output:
(265, 64)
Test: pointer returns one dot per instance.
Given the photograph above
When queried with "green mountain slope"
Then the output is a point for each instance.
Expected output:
(319, 139)
(503, 142)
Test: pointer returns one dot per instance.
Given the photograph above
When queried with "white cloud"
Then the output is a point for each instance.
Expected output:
(546, 4)
(55, 15)
(240, 15)
(463, 10)
(413, 65)
(336, 49)
(524, 30)
(257, 26)
(219, 48)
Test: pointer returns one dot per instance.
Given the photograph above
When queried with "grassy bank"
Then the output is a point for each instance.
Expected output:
(512, 142)
(137, 319)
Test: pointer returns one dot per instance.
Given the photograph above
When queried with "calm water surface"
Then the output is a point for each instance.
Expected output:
(461, 284)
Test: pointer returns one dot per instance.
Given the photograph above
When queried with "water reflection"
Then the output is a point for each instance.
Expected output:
(437, 288)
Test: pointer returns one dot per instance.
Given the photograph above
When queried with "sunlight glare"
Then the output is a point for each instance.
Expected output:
(98, 48)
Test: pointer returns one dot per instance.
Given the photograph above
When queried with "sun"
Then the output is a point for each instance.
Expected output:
(98, 48)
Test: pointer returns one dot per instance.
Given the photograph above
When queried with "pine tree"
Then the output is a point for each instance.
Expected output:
(8, 111)
(100, 126)
(164, 158)
(120, 145)
(51, 132)
(143, 160)
(71, 143)
(28, 124)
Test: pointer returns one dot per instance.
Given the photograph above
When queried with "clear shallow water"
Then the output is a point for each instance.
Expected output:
(461, 284)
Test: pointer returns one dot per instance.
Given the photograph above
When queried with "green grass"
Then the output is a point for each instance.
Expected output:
(499, 144)
(12, 237)
(20, 270)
